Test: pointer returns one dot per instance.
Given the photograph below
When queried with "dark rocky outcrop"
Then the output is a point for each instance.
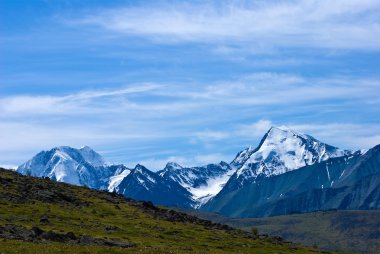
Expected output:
(36, 234)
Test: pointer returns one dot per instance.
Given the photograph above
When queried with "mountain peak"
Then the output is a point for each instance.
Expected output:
(173, 165)
(86, 148)
(140, 169)
(282, 150)
(61, 148)
(67, 164)
(282, 131)
(281, 128)
(91, 156)
(139, 166)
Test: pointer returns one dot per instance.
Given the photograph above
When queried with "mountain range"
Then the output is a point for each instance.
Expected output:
(287, 172)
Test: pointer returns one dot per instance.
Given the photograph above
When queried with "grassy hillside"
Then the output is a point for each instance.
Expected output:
(41, 216)
(350, 231)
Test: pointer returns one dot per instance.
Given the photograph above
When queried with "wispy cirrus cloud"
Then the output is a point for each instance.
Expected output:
(193, 81)
(258, 89)
(75, 103)
(219, 119)
(337, 24)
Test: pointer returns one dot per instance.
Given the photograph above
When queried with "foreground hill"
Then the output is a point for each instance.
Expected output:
(348, 230)
(38, 215)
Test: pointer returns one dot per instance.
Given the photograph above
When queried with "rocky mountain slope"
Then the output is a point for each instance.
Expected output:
(281, 150)
(143, 184)
(202, 182)
(347, 182)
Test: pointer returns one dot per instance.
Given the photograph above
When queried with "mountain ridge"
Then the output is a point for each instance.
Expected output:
(280, 151)
(311, 188)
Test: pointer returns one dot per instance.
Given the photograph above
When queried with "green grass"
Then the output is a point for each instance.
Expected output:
(23, 200)
(349, 231)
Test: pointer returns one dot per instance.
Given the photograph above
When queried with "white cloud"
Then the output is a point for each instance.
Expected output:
(211, 135)
(68, 104)
(346, 135)
(254, 130)
(276, 88)
(337, 24)
(210, 158)
(123, 91)
(206, 117)
(258, 89)
(24, 139)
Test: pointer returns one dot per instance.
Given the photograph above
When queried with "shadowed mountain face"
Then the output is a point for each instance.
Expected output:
(142, 184)
(288, 172)
(202, 182)
(347, 182)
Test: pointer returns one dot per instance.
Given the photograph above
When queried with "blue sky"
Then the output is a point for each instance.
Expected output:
(187, 81)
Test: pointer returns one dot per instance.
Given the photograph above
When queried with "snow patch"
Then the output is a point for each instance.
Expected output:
(214, 185)
(117, 179)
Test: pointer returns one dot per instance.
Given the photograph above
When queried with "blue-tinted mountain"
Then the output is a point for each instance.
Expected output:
(281, 150)
(121, 171)
(65, 164)
(287, 172)
(86, 167)
(202, 182)
(346, 182)
(143, 184)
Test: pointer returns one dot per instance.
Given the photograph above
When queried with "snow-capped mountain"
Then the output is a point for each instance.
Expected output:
(281, 150)
(348, 182)
(284, 165)
(202, 182)
(86, 167)
(65, 164)
(143, 184)
(92, 157)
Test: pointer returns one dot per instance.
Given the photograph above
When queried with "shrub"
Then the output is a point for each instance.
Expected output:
(255, 231)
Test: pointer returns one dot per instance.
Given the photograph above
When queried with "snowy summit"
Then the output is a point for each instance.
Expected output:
(282, 150)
